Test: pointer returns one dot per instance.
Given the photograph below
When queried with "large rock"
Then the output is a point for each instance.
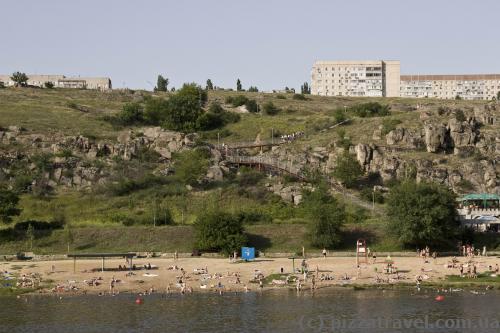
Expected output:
(435, 138)
(363, 154)
(215, 173)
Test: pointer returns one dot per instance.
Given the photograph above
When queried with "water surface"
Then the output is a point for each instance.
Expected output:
(332, 310)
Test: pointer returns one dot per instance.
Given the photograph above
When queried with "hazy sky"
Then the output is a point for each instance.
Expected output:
(267, 43)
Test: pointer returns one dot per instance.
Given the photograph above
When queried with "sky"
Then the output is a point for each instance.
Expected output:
(266, 43)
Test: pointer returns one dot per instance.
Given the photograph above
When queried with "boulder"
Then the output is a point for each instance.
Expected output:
(435, 137)
(215, 173)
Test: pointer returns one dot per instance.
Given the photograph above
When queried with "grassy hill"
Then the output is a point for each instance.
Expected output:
(98, 215)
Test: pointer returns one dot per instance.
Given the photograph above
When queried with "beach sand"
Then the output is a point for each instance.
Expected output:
(61, 272)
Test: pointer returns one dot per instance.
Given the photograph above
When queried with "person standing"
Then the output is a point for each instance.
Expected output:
(324, 253)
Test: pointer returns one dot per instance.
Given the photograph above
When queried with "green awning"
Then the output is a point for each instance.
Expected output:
(480, 196)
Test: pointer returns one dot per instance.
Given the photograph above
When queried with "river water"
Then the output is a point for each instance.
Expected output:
(330, 310)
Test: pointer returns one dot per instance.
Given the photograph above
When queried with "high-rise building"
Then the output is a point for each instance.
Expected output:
(379, 78)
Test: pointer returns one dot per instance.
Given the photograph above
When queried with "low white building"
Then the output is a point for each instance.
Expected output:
(61, 81)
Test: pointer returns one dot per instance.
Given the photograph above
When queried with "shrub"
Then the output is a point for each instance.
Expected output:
(299, 97)
(126, 186)
(248, 177)
(269, 109)
(253, 89)
(389, 125)
(347, 169)
(252, 106)
(48, 85)
(239, 100)
(38, 225)
(280, 96)
(339, 116)
(459, 115)
(190, 166)
(370, 195)
(371, 109)
(219, 231)
(131, 114)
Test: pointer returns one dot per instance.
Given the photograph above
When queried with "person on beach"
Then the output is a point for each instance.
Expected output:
(112, 285)
(313, 283)
(324, 253)
(261, 284)
(297, 285)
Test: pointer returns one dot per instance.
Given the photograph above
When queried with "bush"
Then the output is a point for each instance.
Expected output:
(249, 177)
(459, 115)
(238, 100)
(219, 231)
(269, 109)
(371, 109)
(190, 166)
(369, 195)
(422, 214)
(347, 169)
(339, 116)
(280, 96)
(389, 125)
(216, 117)
(48, 85)
(299, 97)
(38, 225)
(126, 186)
(131, 114)
(252, 106)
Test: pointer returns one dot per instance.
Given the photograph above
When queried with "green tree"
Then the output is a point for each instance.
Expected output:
(20, 79)
(422, 214)
(498, 96)
(253, 89)
(210, 85)
(155, 111)
(326, 216)
(9, 201)
(49, 85)
(30, 235)
(219, 231)
(347, 169)
(131, 114)
(252, 106)
(191, 165)
(2, 85)
(305, 89)
(161, 83)
(270, 109)
(238, 85)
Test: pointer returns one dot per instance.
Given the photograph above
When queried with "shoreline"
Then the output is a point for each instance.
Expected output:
(58, 278)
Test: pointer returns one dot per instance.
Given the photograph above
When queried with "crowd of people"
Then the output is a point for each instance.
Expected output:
(291, 137)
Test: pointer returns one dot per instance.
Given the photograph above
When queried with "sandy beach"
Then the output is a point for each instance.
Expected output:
(202, 274)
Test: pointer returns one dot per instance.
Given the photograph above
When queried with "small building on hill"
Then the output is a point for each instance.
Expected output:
(61, 81)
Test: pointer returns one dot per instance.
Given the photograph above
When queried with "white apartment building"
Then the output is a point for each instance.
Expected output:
(469, 87)
(61, 81)
(378, 78)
